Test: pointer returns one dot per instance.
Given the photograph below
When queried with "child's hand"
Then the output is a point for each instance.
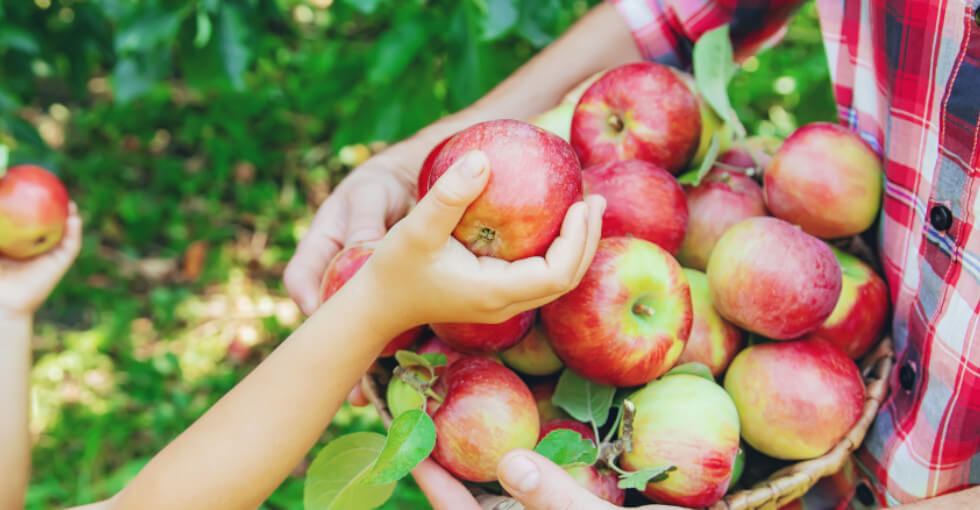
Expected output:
(25, 284)
(426, 275)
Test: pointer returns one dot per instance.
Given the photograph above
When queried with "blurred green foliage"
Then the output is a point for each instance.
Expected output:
(197, 137)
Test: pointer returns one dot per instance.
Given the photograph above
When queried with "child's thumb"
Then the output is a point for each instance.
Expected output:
(437, 214)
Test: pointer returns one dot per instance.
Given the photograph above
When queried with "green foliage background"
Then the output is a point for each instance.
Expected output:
(198, 137)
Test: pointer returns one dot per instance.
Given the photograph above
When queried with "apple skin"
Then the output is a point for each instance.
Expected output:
(740, 156)
(533, 355)
(543, 391)
(33, 211)
(711, 123)
(713, 341)
(603, 483)
(628, 320)
(478, 338)
(825, 179)
(722, 199)
(534, 179)
(856, 323)
(691, 423)
(557, 120)
(630, 187)
(772, 278)
(795, 399)
(641, 110)
(341, 269)
(422, 186)
(487, 412)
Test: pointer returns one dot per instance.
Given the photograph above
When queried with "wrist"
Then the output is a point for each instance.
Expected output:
(9, 316)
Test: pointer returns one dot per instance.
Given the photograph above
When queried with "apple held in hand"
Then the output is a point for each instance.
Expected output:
(642, 111)
(534, 179)
(642, 200)
(628, 320)
(341, 269)
(795, 399)
(772, 278)
(713, 341)
(599, 481)
(825, 179)
(859, 316)
(689, 422)
(33, 211)
(533, 355)
(476, 338)
(487, 412)
(422, 187)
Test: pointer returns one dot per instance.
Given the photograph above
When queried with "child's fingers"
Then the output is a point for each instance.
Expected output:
(597, 206)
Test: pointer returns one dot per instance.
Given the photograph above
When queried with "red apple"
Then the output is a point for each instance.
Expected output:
(534, 179)
(601, 482)
(341, 269)
(543, 391)
(642, 200)
(795, 399)
(473, 337)
(628, 320)
(857, 320)
(642, 111)
(713, 341)
(487, 412)
(436, 346)
(772, 278)
(33, 211)
(722, 199)
(422, 187)
(533, 355)
(741, 155)
(688, 422)
(825, 179)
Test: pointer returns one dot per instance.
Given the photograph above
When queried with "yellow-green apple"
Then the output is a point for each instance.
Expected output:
(33, 211)
(477, 338)
(711, 124)
(772, 278)
(573, 96)
(401, 396)
(547, 410)
(740, 156)
(713, 341)
(722, 199)
(628, 320)
(422, 187)
(859, 316)
(599, 481)
(558, 120)
(825, 179)
(795, 399)
(641, 110)
(487, 411)
(689, 422)
(534, 179)
(533, 355)
(341, 269)
(642, 200)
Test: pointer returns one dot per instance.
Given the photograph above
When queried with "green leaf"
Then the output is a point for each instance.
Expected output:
(428, 361)
(537, 21)
(365, 6)
(203, 33)
(151, 29)
(333, 480)
(639, 479)
(564, 447)
(396, 49)
(694, 177)
(136, 75)
(4, 158)
(500, 17)
(692, 368)
(584, 400)
(714, 66)
(232, 36)
(16, 38)
(411, 438)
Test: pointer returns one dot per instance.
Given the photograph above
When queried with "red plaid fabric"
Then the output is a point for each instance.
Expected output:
(906, 77)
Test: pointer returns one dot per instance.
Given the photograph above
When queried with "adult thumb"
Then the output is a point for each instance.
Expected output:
(540, 484)
(437, 214)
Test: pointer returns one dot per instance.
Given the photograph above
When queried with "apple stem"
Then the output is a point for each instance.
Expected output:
(610, 451)
(615, 122)
(643, 309)
(429, 393)
(488, 234)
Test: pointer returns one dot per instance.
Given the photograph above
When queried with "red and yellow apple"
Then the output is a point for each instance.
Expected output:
(741, 156)
(599, 481)
(533, 355)
(477, 338)
(33, 211)
(422, 187)
(713, 341)
(861, 311)
(543, 391)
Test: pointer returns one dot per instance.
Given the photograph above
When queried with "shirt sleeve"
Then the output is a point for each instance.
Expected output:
(665, 30)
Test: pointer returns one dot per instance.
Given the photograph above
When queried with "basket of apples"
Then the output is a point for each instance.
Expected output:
(731, 321)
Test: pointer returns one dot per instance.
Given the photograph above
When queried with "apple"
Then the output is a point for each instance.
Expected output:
(856, 322)
(33, 211)
(436, 346)
(628, 320)
(642, 200)
(740, 156)
(533, 355)
(795, 399)
(713, 341)
(641, 110)
(573, 96)
(422, 187)
(558, 120)
(711, 124)
(534, 179)
(600, 481)
(543, 391)
(476, 338)
(825, 179)
(487, 411)
(689, 422)
(772, 278)
(722, 199)
(341, 269)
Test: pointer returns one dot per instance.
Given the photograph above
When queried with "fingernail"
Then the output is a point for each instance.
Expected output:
(363, 235)
(520, 473)
(473, 164)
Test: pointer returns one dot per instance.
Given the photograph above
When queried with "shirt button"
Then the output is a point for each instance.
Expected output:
(906, 376)
(864, 494)
(941, 217)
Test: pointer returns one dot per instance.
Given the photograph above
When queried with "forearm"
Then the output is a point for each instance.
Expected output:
(955, 501)
(15, 444)
(248, 442)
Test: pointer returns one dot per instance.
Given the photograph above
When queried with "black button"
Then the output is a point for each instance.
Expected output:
(864, 494)
(906, 376)
(941, 217)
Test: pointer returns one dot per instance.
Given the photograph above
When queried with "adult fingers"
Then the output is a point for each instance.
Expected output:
(315, 251)
(539, 484)
(443, 490)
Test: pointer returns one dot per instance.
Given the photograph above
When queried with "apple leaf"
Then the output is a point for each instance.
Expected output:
(714, 67)
(639, 479)
(694, 176)
(332, 482)
(692, 368)
(585, 400)
(411, 438)
(429, 361)
(565, 447)
(4, 158)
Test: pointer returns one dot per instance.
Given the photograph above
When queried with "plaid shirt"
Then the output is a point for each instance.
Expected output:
(906, 77)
